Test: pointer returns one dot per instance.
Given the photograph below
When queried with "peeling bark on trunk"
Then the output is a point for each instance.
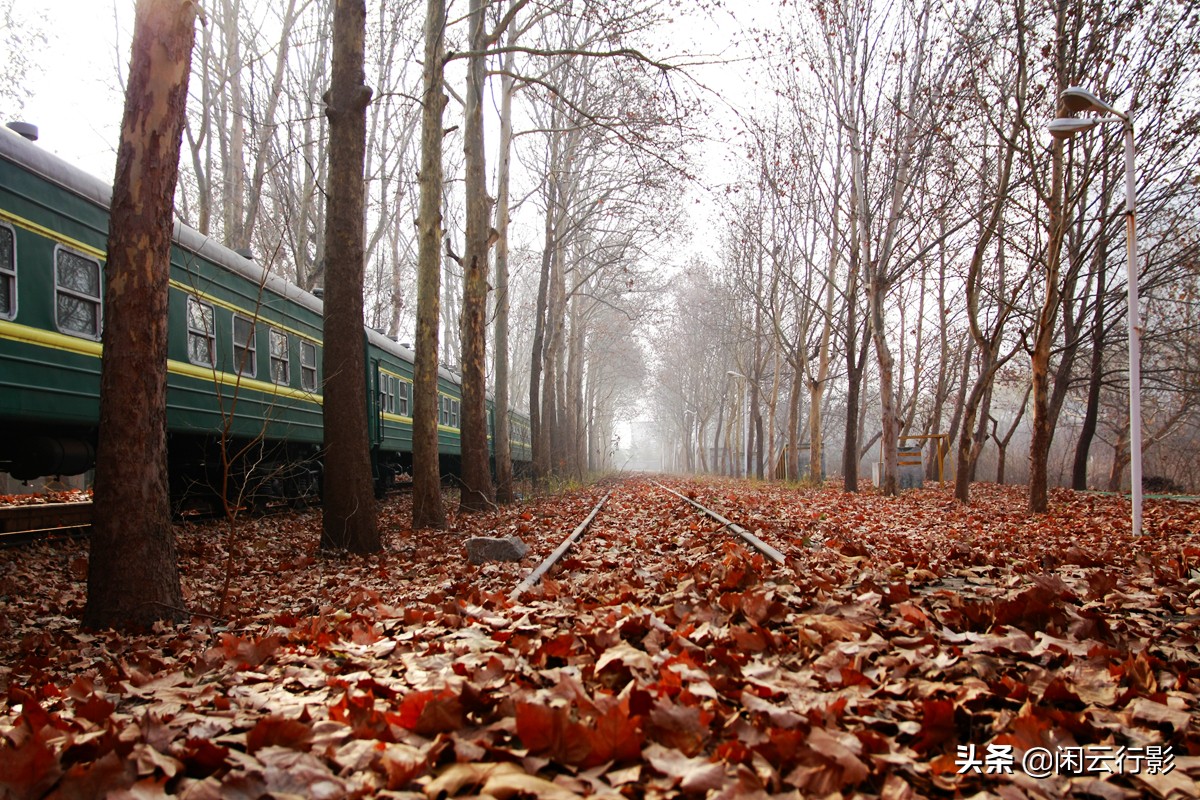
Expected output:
(133, 579)
(349, 490)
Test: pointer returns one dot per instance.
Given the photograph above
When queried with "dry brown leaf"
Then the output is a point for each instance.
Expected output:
(457, 777)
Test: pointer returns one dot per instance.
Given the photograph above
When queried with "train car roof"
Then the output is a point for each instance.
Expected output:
(29, 156)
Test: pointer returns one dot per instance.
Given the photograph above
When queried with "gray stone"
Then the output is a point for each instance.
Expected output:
(490, 548)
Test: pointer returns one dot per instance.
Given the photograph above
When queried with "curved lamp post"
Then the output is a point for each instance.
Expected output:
(1076, 100)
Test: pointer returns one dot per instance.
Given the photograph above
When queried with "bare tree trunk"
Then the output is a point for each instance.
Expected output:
(1087, 432)
(754, 454)
(349, 492)
(792, 473)
(553, 388)
(918, 359)
(1120, 459)
(850, 456)
(1002, 444)
(816, 392)
(133, 579)
(233, 155)
(538, 417)
(477, 491)
(1039, 445)
(199, 141)
(266, 127)
(504, 468)
(428, 511)
(942, 390)
(883, 356)
(573, 400)
(718, 461)
(772, 405)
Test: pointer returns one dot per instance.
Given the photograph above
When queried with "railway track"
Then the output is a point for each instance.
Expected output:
(640, 530)
(28, 523)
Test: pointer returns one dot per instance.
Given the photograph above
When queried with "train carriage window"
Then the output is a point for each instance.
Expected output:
(8, 273)
(308, 366)
(454, 413)
(245, 351)
(281, 362)
(77, 293)
(387, 393)
(404, 399)
(443, 410)
(200, 326)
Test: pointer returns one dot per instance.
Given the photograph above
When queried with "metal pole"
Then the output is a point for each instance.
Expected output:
(1135, 334)
(746, 439)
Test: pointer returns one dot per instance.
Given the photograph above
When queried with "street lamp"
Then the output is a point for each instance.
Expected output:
(1076, 100)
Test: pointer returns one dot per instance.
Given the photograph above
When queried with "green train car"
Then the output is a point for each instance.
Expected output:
(244, 356)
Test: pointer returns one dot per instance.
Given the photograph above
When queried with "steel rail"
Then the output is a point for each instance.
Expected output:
(559, 552)
(758, 544)
(33, 522)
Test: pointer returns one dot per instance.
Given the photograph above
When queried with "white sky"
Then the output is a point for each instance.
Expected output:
(77, 100)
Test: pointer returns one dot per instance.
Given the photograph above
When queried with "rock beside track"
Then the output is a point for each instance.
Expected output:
(481, 549)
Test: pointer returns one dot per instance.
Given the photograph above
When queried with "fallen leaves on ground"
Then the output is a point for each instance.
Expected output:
(660, 658)
(46, 496)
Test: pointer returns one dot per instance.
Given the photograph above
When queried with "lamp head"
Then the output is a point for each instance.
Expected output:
(1066, 127)
(1076, 100)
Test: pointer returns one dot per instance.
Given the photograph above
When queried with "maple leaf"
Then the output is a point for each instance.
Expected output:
(401, 763)
(937, 724)
(429, 712)
(28, 766)
(202, 757)
(96, 778)
(274, 730)
(549, 730)
(246, 653)
(625, 653)
(692, 775)
(682, 727)
(145, 789)
(365, 720)
(457, 777)
(615, 735)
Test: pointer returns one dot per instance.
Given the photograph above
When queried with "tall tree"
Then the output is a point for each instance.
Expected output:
(504, 467)
(133, 579)
(1046, 322)
(427, 478)
(477, 491)
(989, 342)
(349, 497)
